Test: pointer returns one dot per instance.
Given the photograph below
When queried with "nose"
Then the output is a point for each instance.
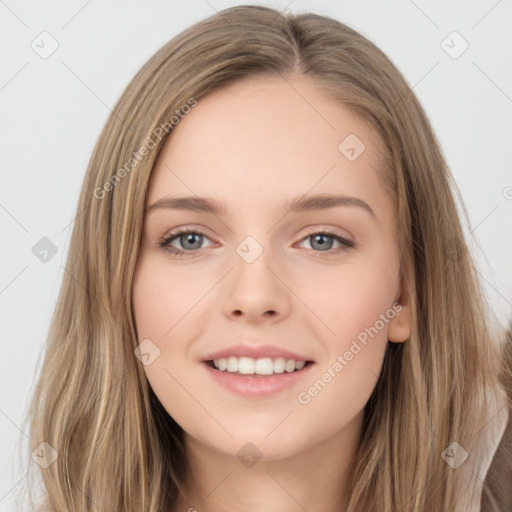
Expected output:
(257, 292)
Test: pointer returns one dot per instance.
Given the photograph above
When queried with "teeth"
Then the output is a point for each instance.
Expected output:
(264, 366)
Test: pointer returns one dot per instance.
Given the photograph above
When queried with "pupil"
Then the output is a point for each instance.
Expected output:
(190, 239)
(322, 245)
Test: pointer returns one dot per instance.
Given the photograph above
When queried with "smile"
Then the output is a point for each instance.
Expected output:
(256, 377)
(262, 366)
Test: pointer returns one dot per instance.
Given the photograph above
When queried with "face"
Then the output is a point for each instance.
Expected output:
(257, 280)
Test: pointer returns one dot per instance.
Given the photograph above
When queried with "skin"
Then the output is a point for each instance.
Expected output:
(269, 141)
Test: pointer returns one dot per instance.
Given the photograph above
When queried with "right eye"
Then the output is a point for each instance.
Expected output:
(186, 238)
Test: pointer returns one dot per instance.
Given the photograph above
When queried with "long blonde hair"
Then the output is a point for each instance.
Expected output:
(117, 448)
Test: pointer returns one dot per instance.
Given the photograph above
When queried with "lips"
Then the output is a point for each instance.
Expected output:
(256, 352)
(256, 386)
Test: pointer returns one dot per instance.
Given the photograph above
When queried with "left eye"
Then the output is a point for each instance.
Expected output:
(192, 241)
(320, 240)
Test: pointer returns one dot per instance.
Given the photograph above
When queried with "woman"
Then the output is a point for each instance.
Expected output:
(257, 372)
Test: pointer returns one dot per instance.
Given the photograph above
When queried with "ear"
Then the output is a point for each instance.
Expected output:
(400, 326)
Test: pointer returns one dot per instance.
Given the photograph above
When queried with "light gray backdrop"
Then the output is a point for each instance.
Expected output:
(64, 65)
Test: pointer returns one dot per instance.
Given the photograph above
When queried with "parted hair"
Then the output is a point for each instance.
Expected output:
(118, 449)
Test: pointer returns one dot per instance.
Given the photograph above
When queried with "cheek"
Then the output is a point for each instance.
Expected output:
(357, 302)
(362, 307)
(160, 317)
(149, 303)
(359, 311)
(164, 296)
(168, 319)
(352, 299)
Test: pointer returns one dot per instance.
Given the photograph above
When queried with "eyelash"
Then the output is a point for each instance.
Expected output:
(165, 242)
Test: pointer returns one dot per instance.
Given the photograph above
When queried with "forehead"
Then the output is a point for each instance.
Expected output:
(269, 136)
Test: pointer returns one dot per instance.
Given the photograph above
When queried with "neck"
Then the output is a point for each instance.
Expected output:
(313, 479)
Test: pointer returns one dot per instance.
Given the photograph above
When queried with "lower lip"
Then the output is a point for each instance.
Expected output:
(257, 385)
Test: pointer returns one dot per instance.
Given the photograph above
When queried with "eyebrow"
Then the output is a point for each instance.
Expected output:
(297, 205)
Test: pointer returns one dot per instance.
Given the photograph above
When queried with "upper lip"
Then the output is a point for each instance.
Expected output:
(255, 352)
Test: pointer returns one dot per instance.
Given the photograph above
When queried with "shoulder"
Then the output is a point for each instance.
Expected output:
(497, 489)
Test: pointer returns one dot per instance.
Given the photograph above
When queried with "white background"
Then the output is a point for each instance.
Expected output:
(52, 111)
